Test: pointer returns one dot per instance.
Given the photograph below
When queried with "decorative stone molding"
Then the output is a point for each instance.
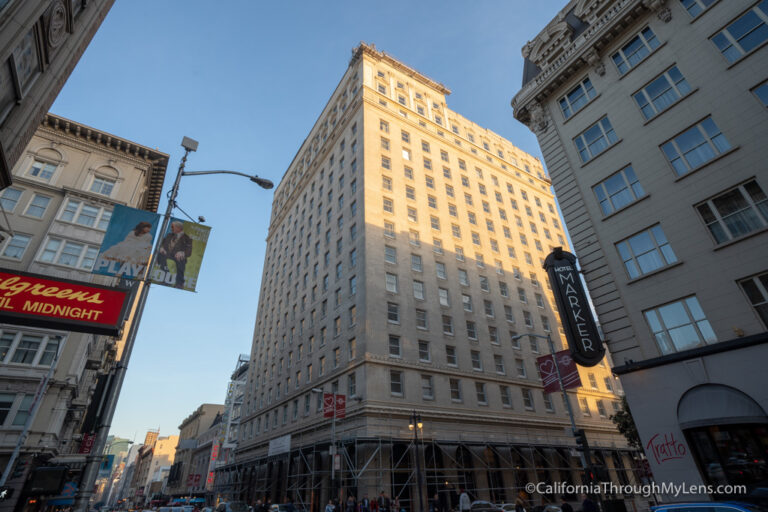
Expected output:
(539, 120)
(593, 59)
(659, 7)
(57, 24)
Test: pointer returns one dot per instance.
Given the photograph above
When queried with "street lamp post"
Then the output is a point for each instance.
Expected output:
(85, 490)
(333, 441)
(584, 455)
(416, 425)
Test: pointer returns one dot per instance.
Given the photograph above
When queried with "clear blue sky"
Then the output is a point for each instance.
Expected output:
(247, 79)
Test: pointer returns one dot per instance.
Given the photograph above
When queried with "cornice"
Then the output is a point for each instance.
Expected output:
(371, 51)
(85, 137)
(582, 52)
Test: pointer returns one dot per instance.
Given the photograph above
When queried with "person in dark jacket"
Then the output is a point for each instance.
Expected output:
(566, 507)
(588, 505)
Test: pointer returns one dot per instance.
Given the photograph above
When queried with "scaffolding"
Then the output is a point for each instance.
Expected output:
(492, 471)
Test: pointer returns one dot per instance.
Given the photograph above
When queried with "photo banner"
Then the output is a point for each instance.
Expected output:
(180, 254)
(568, 371)
(127, 244)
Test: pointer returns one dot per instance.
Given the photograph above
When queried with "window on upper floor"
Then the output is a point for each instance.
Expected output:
(695, 146)
(577, 98)
(679, 325)
(637, 49)
(19, 347)
(761, 92)
(645, 252)
(618, 190)
(662, 92)
(68, 253)
(36, 208)
(756, 290)
(696, 7)
(744, 34)
(735, 212)
(9, 198)
(42, 170)
(16, 246)
(595, 139)
(85, 214)
(103, 186)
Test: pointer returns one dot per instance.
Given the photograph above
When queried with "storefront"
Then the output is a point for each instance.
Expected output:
(702, 418)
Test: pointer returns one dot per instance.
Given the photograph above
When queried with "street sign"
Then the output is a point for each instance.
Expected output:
(575, 313)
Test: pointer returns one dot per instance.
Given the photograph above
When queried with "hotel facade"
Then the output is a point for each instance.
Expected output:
(652, 120)
(404, 252)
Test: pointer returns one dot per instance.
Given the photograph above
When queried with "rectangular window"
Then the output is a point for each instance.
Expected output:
(394, 346)
(618, 190)
(41, 170)
(391, 282)
(756, 290)
(421, 319)
(736, 212)
(548, 405)
(424, 355)
(482, 398)
(577, 98)
(442, 294)
(455, 386)
(527, 398)
(662, 92)
(388, 206)
(476, 362)
(637, 49)
(416, 264)
(646, 252)
(584, 407)
(471, 330)
(595, 139)
(410, 192)
(695, 147)
(16, 246)
(679, 326)
(396, 383)
(427, 387)
(761, 91)
(447, 324)
(418, 290)
(498, 363)
(696, 7)
(745, 34)
(386, 163)
(390, 254)
(386, 183)
(9, 198)
(393, 312)
(37, 206)
(506, 398)
(69, 254)
(103, 186)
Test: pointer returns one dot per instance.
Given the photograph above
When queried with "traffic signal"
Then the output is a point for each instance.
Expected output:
(588, 477)
(581, 439)
(19, 468)
(601, 473)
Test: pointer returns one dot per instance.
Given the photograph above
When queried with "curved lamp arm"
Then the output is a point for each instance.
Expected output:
(263, 183)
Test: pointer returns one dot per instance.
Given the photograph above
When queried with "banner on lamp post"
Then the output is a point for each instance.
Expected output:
(180, 254)
(127, 243)
(568, 371)
(575, 313)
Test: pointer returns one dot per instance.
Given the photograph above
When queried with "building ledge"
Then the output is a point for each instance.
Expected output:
(708, 350)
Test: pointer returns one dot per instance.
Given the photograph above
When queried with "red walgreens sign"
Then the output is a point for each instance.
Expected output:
(334, 403)
(39, 301)
(568, 371)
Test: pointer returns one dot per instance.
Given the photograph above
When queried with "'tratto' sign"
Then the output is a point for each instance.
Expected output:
(580, 329)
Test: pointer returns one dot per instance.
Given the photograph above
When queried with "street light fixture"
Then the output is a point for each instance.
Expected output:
(416, 425)
(94, 461)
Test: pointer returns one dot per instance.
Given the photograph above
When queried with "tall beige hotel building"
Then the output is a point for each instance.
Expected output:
(405, 251)
(652, 117)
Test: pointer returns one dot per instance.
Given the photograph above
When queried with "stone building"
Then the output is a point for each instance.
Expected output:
(404, 253)
(652, 118)
(40, 44)
(54, 216)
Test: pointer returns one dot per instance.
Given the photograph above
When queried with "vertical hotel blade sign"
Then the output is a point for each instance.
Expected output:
(575, 314)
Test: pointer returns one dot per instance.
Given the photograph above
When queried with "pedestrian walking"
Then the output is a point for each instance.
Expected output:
(365, 504)
(330, 507)
(384, 502)
(464, 501)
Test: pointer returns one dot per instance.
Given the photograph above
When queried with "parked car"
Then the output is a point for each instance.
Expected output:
(484, 506)
(710, 506)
